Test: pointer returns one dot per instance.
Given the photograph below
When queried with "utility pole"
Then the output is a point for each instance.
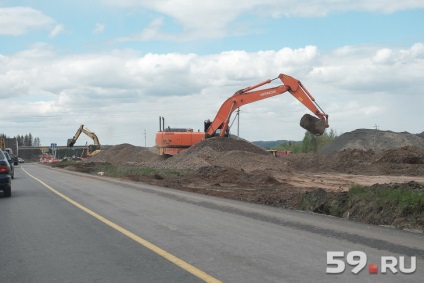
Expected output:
(145, 138)
(238, 123)
(376, 127)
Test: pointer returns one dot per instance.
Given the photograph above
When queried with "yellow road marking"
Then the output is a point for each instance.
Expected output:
(177, 261)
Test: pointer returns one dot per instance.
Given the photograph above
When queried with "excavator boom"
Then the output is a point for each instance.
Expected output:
(247, 95)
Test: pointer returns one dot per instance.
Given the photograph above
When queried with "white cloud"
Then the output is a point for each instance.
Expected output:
(213, 19)
(121, 93)
(99, 28)
(17, 21)
(152, 32)
(383, 56)
(58, 29)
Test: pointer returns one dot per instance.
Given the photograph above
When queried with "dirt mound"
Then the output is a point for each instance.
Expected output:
(345, 161)
(225, 152)
(407, 155)
(125, 153)
(366, 139)
(400, 161)
(221, 144)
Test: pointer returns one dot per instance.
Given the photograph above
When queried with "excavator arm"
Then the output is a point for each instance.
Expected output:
(73, 140)
(248, 95)
(91, 135)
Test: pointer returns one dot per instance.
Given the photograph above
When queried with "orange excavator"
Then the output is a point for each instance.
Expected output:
(171, 141)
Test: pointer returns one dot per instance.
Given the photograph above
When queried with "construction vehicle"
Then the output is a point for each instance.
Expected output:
(91, 149)
(2, 143)
(171, 141)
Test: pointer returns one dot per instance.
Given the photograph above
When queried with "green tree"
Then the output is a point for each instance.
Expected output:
(36, 142)
(310, 143)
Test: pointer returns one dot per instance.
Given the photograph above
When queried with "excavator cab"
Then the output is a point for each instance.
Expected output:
(217, 132)
(313, 124)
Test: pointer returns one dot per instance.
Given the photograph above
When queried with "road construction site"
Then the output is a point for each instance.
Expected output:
(365, 175)
(316, 182)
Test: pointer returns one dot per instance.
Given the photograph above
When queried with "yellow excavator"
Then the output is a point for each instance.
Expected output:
(2, 143)
(92, 149)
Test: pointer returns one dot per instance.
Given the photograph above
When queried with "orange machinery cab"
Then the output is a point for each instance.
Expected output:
(174, 140)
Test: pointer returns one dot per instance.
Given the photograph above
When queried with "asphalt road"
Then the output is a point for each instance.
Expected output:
(61, 226)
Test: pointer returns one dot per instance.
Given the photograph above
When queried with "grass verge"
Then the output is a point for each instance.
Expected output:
(396, 205)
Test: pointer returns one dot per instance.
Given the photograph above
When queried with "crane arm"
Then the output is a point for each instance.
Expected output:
(248, 95)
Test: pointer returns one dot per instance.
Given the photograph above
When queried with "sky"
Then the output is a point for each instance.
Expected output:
(116, 66)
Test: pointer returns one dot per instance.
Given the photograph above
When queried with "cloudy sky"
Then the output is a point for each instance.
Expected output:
(117, 65)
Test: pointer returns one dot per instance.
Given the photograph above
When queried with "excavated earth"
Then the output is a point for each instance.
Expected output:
(240, 170)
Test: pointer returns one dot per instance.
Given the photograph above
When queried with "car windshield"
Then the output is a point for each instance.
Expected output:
(2, 157)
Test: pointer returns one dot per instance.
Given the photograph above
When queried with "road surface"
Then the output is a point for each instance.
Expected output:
(62, 226)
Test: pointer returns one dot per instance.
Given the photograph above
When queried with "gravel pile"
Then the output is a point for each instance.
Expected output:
(406, 160)
(125, 154)
(375, 140)
(226, 152)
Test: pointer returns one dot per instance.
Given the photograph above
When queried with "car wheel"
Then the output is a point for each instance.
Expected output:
(8, 192)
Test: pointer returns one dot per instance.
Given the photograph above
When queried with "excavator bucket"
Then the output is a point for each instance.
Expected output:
(313, 124)
(70, 143)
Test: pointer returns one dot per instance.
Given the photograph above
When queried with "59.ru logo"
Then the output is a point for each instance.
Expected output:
(358, 260)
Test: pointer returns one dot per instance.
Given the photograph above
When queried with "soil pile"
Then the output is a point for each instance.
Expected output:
(404, 155)
(225, 152)
(375, 140)
(125, 154)
(398, 161)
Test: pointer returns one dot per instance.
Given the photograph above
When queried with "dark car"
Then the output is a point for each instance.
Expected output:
(14, 158)
(11, 164)
(5, 178)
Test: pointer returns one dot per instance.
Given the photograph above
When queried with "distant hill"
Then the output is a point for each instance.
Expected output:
(269, 144)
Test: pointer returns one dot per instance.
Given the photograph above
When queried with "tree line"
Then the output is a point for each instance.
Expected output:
(25, 140)
(310, 143)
